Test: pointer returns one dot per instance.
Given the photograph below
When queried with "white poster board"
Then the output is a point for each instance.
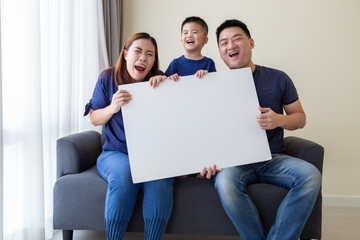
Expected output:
(180, 127)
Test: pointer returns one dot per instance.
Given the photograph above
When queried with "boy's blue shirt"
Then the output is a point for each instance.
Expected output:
(184, 67)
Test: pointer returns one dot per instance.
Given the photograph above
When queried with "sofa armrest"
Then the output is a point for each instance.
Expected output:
(77, 152)
(306, 150)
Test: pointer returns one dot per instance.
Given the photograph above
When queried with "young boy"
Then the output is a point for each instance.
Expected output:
(194, 32)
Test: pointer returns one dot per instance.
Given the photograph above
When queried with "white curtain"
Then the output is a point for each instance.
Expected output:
(1, 144)
(52, 53)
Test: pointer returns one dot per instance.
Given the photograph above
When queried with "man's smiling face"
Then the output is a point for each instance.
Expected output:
(235, 48)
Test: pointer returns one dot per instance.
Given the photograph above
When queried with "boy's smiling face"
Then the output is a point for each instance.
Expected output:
(193, 37)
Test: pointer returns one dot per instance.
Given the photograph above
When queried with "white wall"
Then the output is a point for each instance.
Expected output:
(317, 42)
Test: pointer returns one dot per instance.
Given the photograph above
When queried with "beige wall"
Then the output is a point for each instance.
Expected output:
(317, 42)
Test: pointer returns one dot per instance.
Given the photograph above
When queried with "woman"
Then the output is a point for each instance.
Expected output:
(138, 61)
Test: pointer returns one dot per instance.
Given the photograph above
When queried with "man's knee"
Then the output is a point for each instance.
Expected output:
(315, 178)
(227, 184)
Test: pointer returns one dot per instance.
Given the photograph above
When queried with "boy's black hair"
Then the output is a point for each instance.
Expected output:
(197, 20)
(232, 23)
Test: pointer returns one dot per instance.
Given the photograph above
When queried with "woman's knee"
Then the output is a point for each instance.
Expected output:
(158, 199)
(159, 186)
(114, 167)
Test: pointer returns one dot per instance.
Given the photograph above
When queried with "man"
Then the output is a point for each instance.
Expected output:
(276, 92)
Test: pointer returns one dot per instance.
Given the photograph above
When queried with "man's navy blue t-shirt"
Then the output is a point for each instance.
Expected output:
(274, 89)
(185, 67)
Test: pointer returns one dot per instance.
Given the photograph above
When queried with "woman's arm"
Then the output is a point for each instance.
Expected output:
(103, 115)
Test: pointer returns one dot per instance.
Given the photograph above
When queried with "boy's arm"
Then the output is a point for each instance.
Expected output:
(201, 73)
(174, 77)
(212, 67)
(171, 70)
(156, 80)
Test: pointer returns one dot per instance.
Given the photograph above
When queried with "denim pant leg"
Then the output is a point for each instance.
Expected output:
(121, 194)
(303, 181)
(231, 185)
(157, 206)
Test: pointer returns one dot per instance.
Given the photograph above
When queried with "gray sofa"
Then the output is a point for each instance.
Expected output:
(79, 193)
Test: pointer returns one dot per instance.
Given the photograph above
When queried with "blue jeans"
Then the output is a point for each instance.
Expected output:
(121, 196)
(301, 178)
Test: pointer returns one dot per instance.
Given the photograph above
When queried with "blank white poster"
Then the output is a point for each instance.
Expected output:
(180, 127)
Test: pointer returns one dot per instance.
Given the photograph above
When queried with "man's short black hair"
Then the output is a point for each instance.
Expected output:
(197, 20)
(232, 23)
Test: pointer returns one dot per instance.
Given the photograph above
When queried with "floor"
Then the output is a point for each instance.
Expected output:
(338, 223)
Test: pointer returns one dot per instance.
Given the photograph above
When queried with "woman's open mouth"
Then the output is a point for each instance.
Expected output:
(140, 68)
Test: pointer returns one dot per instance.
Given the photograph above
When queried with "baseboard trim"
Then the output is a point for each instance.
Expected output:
(341, 201)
